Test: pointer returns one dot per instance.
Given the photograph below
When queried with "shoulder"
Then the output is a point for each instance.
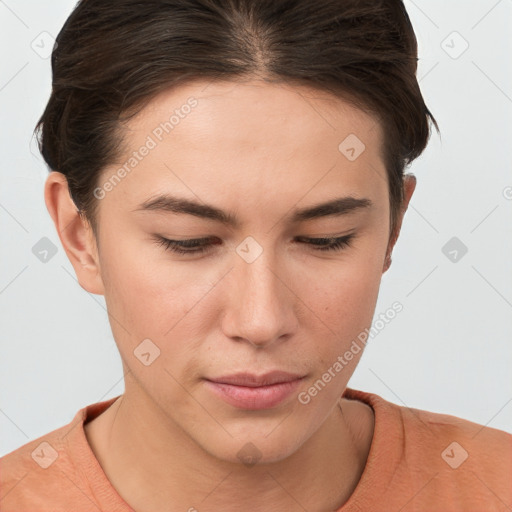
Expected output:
(436, 429)
(32, 474)
(463, 458)
(430, 433)
(56, 471)
(433, 461)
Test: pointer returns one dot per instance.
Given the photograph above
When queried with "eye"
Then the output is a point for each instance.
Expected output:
(193, 246)
(202, 245)
(330, 244)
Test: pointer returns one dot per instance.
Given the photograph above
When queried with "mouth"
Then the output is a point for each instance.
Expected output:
(253, 381)
(254, 392)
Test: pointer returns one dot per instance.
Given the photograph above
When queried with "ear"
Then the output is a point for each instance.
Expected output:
(409, 181)
(75, 233)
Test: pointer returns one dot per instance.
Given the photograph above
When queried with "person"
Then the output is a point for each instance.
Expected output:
(229, 174)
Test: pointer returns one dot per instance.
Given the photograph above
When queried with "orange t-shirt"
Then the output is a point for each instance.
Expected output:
(418, 461)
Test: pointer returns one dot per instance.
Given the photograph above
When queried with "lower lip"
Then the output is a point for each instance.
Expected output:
(263, 397)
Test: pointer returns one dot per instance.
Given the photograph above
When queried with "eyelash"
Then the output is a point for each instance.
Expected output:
(179, 246)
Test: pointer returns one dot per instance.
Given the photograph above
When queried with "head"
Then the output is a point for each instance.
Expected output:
(258, 117)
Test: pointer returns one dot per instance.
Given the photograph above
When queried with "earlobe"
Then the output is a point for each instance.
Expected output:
(74, 232)
(387, 262)
(409, 187)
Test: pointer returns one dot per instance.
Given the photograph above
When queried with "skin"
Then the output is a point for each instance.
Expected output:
(258, 150)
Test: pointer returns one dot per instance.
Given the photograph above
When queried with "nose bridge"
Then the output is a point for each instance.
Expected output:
(259, 306)
(261, 282)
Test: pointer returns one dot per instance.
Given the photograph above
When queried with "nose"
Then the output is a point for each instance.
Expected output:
(260, 305)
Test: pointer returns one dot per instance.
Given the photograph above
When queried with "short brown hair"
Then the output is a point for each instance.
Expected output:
(113, 56)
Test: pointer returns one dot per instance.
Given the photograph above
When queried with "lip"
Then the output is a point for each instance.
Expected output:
(252, 381)
(253, 392)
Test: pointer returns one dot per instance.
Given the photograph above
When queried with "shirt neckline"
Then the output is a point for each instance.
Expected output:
(383, 456)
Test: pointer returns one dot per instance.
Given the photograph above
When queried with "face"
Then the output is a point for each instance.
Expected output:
(249, 289)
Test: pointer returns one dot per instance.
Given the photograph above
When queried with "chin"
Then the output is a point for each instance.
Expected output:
(252, 450)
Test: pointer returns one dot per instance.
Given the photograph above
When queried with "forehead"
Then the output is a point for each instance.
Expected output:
(253, 111)
(210, 139)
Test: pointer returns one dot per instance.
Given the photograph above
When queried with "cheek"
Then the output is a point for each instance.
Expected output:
(159, 300)
(346, 290)
(346, 307)
(343, 302)
(153, 298)
(146, 292)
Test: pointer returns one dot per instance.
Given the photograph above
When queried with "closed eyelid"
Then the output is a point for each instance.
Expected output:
(198, 246)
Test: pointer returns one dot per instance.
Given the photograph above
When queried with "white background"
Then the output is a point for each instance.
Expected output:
(450, 348)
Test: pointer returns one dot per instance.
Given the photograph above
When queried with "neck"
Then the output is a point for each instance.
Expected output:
(167, 470)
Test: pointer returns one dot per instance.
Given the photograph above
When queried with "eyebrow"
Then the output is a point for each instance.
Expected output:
(167, 203)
